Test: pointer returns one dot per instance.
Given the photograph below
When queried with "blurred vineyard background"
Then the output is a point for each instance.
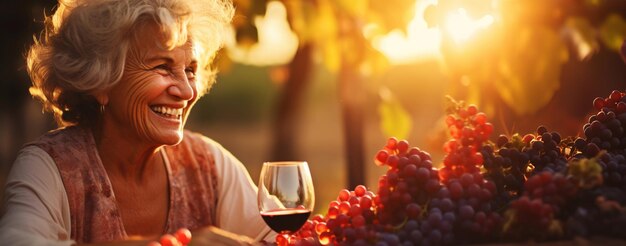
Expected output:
(328, 81)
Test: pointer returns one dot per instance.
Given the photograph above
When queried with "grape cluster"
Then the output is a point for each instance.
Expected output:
(606, 140)
(613, 170)
(530, 219)
(349, 220)
(472, 196)
(517, 158)
(536, 214)
(544, 152)
(553, 188)
(409, 182)
(600, 212)
(606, 128)
(465, 187)
(350, 217)
(469, 130)
(508, 167)
(404, 192)
(537, 186)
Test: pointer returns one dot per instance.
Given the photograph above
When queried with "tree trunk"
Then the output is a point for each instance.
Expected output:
(351, 99)
(289, 103)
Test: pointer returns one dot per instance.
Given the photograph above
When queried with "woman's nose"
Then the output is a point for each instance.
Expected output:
(182, 89)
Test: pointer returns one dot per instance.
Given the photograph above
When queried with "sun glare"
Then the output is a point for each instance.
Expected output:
(277, 43)
(461, 27)
(421, 42)
(418, 43)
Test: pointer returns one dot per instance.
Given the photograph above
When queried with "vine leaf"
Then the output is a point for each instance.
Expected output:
(529, 69)
(395, 120)
(613, 32)
(582, 35)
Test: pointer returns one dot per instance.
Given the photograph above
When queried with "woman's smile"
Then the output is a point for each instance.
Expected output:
(168, 112)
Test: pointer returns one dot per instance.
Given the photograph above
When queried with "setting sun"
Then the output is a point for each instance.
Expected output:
(418, 43)
(421, 42)
(277, 42)
(460, 26)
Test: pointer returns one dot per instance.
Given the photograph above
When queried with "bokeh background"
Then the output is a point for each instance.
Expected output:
(328, 81)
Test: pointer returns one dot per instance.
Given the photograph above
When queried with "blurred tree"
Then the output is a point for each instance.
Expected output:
(513, 66)
(333, 30)
(336, 30)
(289, 103)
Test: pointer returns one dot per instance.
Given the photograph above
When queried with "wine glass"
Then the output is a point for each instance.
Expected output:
(286, 196)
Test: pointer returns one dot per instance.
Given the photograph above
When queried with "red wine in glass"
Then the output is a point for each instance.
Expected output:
(286, 220)
(286, 195)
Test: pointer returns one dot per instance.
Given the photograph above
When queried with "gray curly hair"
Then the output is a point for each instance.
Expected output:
(83, 49)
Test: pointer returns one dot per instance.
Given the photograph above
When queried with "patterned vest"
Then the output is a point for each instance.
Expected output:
(94, 214)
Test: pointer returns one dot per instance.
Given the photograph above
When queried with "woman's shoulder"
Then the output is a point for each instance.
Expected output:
(32, 154)
(64, 131)
(62, 134)
(34, 164)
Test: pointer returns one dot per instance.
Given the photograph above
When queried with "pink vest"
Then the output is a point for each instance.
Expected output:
(93, 210)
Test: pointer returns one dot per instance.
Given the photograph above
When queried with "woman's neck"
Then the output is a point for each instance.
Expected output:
(126, 157)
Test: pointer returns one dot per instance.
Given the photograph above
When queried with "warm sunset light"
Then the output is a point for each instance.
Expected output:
(277, 43)
(313, 122)
(419, 42)
(460, 26)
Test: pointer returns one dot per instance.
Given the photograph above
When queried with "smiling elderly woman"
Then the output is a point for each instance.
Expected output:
(121, 78)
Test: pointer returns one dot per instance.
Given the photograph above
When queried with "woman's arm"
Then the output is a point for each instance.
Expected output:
(35, 210)
(237, 210)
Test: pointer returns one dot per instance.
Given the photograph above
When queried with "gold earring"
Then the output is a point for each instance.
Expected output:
(101, 108)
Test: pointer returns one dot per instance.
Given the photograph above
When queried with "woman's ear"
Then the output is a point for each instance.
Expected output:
(102, 98)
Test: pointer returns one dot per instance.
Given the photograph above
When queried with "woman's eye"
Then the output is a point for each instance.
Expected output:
(190, 72)
(163, 68)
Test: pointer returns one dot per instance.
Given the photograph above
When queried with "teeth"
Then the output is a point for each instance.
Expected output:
(167, 111)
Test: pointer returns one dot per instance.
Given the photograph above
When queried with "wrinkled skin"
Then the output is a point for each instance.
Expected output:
(153, 76)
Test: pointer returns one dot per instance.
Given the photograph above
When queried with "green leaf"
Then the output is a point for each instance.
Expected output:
(583, 36)
(613, 32)
(528, 80)
(587, 172)
(395, 120)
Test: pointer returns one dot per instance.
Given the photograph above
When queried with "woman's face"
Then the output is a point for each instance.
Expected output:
(156, 92)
